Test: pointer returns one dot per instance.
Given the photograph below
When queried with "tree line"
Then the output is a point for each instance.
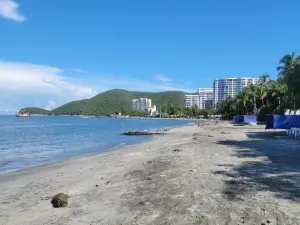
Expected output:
(267, 96)
(190, 112)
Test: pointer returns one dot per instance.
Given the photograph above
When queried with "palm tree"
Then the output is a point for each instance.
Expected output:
(264, 78)
(273, 92)
(289, 74)
(262, 93)
(287, 64)
(252, 92)
(243, 98)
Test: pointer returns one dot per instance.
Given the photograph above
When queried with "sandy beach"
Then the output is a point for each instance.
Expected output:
(211, 175)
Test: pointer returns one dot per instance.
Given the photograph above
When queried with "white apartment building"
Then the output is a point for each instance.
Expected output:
(142, 104)
(133, 105)
(192, 100)
(205, 97)
(152, 110)
(201, 100)
(230, 87)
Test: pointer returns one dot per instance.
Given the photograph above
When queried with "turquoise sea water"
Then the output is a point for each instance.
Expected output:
(28, 142)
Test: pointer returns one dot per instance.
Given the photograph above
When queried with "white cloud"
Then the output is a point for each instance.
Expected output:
(106, 81)
(78, 70)
(9, 10)
(51, 105)
(37, 83)
(26, 84)
(162, 78)
(139, 85)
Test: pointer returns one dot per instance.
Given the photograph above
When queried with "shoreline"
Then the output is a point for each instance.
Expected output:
(66, 160)
(118, 117)
(213, 174)
(119, 147)
(71, 160)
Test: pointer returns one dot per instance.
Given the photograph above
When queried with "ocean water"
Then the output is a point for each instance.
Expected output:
(28, 142)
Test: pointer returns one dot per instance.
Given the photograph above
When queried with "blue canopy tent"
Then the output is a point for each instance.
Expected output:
(244, 119)
(234, 119)
(249, 119)
(282, 121)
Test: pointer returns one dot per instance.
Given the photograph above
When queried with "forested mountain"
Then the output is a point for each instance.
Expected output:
(112, 101)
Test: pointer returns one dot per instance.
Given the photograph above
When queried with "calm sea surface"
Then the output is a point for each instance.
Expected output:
(28, 142)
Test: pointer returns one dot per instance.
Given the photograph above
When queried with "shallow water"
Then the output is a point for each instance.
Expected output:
(28, 142)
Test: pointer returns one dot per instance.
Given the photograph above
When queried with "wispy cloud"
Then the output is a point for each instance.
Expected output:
(23, 81)
(111, 81)
(78, 70)
(51, 105)
(26, 84)
(9, 9)
(162, 78)
(106, 81)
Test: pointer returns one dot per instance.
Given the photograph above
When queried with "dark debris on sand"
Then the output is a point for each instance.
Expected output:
(59, 200)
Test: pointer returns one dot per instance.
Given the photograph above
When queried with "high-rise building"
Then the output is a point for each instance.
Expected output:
(205, 97)
(142, 104)
(200, 100)
(192, 101)
(134, 105)
(230, 87)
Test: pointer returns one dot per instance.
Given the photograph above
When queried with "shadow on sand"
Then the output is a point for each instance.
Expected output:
(269, 164)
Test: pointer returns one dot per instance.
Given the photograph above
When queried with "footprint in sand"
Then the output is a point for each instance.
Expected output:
(203, 220)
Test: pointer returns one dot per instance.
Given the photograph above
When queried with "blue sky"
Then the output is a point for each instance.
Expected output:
(54, 51)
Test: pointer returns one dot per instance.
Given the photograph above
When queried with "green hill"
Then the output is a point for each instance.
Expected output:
(117, 101)
(35, 110)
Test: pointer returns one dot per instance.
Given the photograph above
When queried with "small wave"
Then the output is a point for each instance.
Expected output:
(5, 162)
(119, 145)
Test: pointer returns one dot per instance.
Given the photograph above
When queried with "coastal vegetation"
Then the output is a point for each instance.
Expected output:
(267, 96)
(191, 112)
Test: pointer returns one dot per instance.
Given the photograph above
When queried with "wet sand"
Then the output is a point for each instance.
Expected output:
(210, 175)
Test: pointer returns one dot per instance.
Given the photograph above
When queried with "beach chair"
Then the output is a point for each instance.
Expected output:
(297, 133)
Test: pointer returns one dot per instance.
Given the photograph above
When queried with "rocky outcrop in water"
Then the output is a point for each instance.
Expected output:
(132, 133)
